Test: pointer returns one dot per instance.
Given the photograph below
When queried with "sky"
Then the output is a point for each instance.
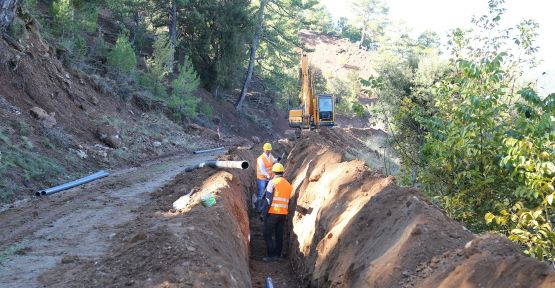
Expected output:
(443, 15)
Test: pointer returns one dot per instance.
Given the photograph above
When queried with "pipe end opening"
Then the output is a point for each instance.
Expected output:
(245, 165)
(37, 193)
(43, 193)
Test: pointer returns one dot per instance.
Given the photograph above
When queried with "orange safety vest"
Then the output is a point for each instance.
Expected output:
(267, 165)
(280, 200)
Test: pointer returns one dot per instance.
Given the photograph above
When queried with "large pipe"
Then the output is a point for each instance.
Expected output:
(208, 151)
(220, 164)
(269, 282)
(69, 185)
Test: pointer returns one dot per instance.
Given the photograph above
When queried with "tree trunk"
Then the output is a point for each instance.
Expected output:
(7, 13)
(255, 41)
(173, 24)
(362, 38)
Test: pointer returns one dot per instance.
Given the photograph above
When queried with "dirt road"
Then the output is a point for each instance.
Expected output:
(81, 223)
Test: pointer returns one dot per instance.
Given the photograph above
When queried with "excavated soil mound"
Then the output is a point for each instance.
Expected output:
(356, 228)
(192, 247)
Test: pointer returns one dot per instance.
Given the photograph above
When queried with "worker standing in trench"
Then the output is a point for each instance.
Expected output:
(264, 174)
(276, 208)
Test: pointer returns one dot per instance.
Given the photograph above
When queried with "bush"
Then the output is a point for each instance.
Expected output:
(100, 49)
(122, 57)
(206, 110)
(88, 18)
(358, 109)
(62, 16)
(182, 100)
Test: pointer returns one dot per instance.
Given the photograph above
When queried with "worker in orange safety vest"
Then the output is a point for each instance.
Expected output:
(264, 173)
(276, 198)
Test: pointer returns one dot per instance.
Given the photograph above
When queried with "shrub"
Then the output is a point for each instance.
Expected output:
(358, 109)
(88, 18)
(206, 110)
(100, 48)
(122, 56)
(62, 16)
(182, 100)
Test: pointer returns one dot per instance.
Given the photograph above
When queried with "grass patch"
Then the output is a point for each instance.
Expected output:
(11, 250)
(20, 162)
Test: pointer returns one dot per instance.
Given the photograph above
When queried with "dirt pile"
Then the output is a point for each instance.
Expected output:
(195, 246)
(356, 228)
(337, 57)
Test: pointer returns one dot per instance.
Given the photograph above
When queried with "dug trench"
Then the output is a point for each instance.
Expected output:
(349, 226)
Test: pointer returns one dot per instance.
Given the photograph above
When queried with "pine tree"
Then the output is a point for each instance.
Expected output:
(372, 17)
(182, 99)
(160, 65)
(216, 36)
(62, 15)
(122, 56)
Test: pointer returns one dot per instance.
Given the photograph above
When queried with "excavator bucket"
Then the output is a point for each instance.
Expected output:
(295, 118)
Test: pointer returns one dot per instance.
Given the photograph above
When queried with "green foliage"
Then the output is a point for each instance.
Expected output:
(71, 21)
(351, 32)
(371, 16)
(319, 82)
(319, 19)
(31, 5)
(122, 57)
(182, 99)
(216, 35)
(464, 140)
(206, 109)
(88, 18)
(481, 150)
(358, 109)
(346, 29)
(17, 29)
(20, 158)
(160, 65)
(62, 16)
(530, 158)
(429, 39)
(100, 49)
(349, 93)
(277, 54)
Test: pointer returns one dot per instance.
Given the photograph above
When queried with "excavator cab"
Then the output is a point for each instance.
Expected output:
(326, 110)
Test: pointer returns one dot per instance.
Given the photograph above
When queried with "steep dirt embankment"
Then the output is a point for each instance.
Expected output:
(356, 228)
(59, 123)
(195, 246)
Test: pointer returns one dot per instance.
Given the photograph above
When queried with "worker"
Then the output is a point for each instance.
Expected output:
(264, 173)
(278, 193)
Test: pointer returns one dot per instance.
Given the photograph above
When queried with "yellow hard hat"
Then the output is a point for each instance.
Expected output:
(278, 168)
(267, 147)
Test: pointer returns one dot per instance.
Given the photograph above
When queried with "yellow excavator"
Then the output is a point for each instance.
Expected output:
(314, 111)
